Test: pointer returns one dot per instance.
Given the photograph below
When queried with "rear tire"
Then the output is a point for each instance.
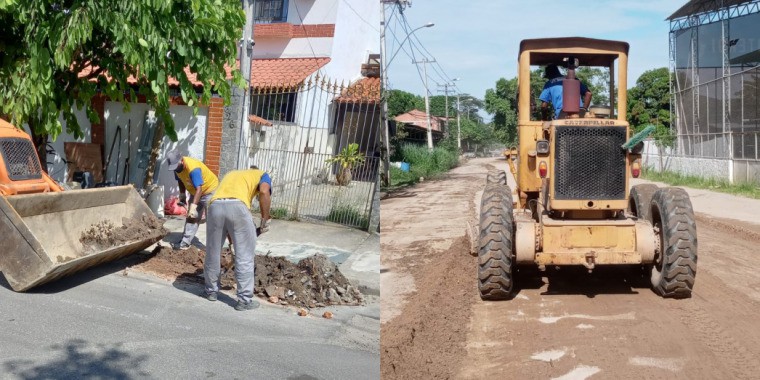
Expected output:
(495, 254)
(675, 266)
(640, 200)
(496, 176)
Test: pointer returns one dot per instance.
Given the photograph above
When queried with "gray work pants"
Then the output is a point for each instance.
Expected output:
(191, 225)
(233, 217)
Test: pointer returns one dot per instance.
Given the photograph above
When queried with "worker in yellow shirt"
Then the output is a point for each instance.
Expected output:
(229, 213)
(195, 177)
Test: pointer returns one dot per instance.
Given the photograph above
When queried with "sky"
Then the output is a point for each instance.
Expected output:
(478, 40)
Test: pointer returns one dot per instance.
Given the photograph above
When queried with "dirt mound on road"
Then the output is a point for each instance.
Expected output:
(313, 282)
(105, 234)
(427, 339)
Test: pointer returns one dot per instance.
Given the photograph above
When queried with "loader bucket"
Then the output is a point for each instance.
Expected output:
(41, 232)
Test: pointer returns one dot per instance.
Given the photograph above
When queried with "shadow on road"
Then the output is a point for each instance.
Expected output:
(87, 275)
(619, 279)
(79, 359)
(193, 284)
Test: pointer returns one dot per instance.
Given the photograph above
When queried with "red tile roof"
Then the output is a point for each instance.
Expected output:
(173, 82)
(365, 90)
(258, 120)
(283, 72)
(418, 118)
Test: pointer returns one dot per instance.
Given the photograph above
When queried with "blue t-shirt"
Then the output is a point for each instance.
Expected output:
(552, 93)
(265, 179)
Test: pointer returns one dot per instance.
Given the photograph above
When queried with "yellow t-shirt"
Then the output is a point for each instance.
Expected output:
(210, 181)
(239, 184)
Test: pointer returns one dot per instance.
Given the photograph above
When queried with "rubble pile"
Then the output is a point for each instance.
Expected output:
(105, 234)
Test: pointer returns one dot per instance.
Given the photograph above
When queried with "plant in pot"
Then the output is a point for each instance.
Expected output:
(347, 159)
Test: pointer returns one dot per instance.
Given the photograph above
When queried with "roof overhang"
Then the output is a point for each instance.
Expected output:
(589, 51)
(693, 7)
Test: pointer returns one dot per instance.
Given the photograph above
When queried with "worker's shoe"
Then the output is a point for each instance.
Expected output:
(241, 306)
(212, 296)
(181, 246)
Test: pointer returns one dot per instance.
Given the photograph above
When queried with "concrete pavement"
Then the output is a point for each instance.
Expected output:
(719, 205)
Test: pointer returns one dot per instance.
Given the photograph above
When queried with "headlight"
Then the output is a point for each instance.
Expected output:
(542, 147)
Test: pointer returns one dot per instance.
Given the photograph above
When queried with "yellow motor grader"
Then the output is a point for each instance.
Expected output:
(573, 204)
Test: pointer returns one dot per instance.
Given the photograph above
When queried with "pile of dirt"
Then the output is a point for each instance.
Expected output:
(313, 282)
(105, 234)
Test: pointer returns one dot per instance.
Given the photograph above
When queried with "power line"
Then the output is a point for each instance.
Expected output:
(442, 72)
(358, 15)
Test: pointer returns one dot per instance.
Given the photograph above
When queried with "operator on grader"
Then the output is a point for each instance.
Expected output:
(552, 92)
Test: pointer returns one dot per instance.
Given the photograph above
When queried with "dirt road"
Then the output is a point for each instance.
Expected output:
(564, 324)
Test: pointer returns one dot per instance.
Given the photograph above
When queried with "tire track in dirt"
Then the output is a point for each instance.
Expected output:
(711, 335)
(423, 237)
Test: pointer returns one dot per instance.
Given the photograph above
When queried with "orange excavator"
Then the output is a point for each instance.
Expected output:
(41, 224)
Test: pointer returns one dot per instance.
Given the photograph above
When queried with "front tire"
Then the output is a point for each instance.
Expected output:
(675, 267)
(640, 200)
(496, 177)
(495, 255)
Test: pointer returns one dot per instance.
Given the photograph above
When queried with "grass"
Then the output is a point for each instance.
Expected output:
(279, 213)
(422, 163)
(347, 214)
(750, 190)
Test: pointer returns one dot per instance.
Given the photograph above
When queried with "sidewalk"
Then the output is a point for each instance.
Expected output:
(356, 252)
(719, 205)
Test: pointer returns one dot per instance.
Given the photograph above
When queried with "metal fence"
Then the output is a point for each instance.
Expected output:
(715, 57)
(296, 129)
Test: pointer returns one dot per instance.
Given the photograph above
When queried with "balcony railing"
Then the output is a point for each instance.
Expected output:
(270, 11)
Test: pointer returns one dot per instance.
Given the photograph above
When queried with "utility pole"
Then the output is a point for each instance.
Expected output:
(446, 96)
(424, 63)
(459, 125)
(384, 95)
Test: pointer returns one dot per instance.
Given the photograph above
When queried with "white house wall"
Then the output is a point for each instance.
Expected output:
(57, 169)
(316, 11)
(354, 38)
(293, 47)
(191, 141)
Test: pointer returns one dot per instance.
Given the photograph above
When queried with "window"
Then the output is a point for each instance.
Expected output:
(269, 11)
(276, 107)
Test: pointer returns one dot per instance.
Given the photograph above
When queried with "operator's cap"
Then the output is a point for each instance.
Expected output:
(172, 159)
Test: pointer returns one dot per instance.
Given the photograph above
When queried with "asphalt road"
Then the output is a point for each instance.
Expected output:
(110, 323)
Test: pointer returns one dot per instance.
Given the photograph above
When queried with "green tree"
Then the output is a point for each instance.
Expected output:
(649, 103)
(597, 80)
(55, 55)
(470, 107)
(401, 102)
(501, 102)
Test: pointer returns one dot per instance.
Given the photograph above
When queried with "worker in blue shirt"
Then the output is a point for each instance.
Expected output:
(552, 92)
(195, 177)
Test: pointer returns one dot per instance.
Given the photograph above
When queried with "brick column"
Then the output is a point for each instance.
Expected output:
(214, 134)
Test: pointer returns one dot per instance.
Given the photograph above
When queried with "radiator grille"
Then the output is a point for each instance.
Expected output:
(589, 163)
(20, 159)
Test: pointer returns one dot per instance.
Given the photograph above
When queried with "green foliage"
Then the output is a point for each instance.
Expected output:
(55, 56)
(649, 103)
(438, 106)
(401, 102)
(501, 102)
(348, 214)
(427, 164)
(597, 80)
(348, 158)
(750, 190)
(279, 213)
